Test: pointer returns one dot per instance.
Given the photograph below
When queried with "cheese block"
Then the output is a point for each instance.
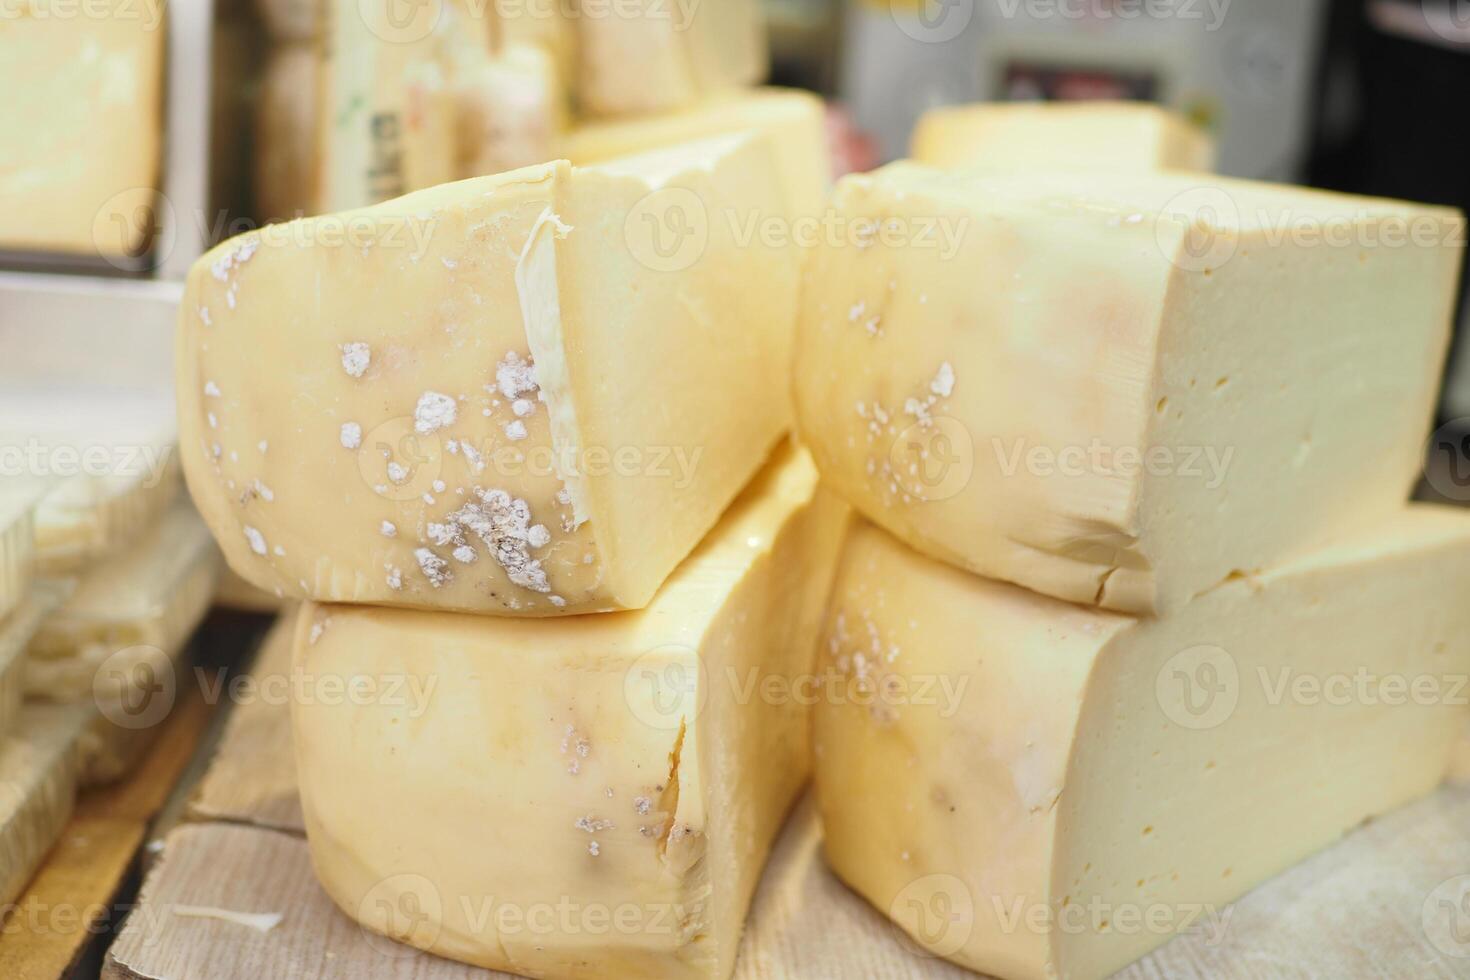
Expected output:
(1121, 137)
(795, 120)
(1068, 787)
(528, 394)
(38, 771)
(1121, 390)
(16, 633)
(291, 21)
(388, 113)
(286, 134)
(510, 111)
(18, 499)
(129, 617)
(79, 167)
(634, 767)
(107, 454)
(548, 26)
(644, 56)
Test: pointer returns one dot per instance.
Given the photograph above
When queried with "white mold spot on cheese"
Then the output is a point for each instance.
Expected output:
(538, 536)
(433, 412)
(515, 431)
(213, 422)
(233, 258)
(943, 383)
(388, 529)
(395, 578)
(204, 316)
(515, 376)
(351, 435)
(256, 539)
(504, 525)
(522, 407)
(397, 472)
(557, 601)
(262, 445)
(465, 555)
(355, 359)
(211, 390)
(262, 491)
(435, 569)
(439, 486)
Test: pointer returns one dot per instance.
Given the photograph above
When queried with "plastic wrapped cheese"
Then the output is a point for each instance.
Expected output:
(633, 765)
(528, 394)
(992, 757)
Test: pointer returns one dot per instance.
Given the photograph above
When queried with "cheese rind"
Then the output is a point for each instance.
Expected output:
(79, 167)
(1127, 137)
(647, 56)
(507, 395)
(634, 766)
(1093, 386)
(1057, 775)
(38, 768)
(795, 121)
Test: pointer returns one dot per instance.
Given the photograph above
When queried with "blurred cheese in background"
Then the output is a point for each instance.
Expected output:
(793, 119)
(291, 20)
(1094, 136)
(19, 496)
(1082, 764)
(438, 428)
(237, 594)
(651, 55)
(510, 110)
(16, 632)
(81, 130)
(39, 768)
(286, 121)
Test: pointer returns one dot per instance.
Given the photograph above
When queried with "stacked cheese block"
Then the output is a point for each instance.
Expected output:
(363, 101)
(524, 454)
(79, 168)
(1139, 615)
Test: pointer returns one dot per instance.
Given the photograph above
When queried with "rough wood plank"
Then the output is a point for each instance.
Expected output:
(252, 778)
(1355, 911)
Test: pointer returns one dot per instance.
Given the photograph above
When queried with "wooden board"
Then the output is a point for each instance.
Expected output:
(1358, 910)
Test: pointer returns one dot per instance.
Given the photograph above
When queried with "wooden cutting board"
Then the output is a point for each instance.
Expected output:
(1367, 908)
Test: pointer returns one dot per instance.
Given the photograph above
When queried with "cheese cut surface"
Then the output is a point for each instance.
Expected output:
(38, 768)
(503, 396)
(1049, 775)
(79, 166)
(795, 120)
(138, 607)
(1121, 390)
(635, 766)
(108, 457)
(648, 56)
(1123, 137)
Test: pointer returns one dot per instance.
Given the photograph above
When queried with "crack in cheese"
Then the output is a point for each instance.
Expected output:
(567, 374)
(1093, 386)
(633, 765)
(1126, 137)
(1082, 768)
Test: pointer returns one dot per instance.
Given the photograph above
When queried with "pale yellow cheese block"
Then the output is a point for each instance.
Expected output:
(635, 766)
(108, 457)
(998, 757)
(1124, 137)
(79, 156)
(505, 395)
(795, 120)
(511, 108)
(129, 617)
(286, 121)
(38, 784)
(388, 115)
(18, 499)
(549, 26)
(644, 56)
(1121, 390)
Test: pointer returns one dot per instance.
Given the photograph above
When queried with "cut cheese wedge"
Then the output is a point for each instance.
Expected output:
(1124, 137)
(18, 500)
(635, 766)
(108, 456)
(79, 165)
(795, 120)
(128, 618)
(529, 394)
(1121, 390)
(38, 770)
(1033, 789)
(650, 56)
